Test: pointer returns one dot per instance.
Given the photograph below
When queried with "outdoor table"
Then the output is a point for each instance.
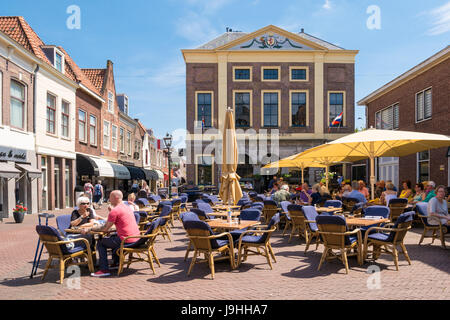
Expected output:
(147, 209)
(234, 225)
(224, 214)
(364, 222)
(328, 209)
(224, 207)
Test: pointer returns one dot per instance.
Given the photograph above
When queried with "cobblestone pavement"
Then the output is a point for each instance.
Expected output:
(294, 276)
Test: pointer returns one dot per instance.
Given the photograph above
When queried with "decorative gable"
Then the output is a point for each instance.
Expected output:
(271, 41)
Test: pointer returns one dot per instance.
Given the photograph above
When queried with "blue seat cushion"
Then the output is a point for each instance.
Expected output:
(252, 239)
(379, 236)
(221, 243)
(76, 249)
(237, 233)
(350, 240)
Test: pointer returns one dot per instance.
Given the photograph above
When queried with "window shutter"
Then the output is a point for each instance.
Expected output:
(427, 104)
(420, 106)
(386, 119)
(378, 120)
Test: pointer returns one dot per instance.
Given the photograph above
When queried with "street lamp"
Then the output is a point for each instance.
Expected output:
(168, 142)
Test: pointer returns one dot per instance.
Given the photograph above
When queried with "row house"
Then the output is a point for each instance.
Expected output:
(417, 100)
(285, 89)
(60, 125)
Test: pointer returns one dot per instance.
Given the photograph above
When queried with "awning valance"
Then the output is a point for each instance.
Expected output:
(160, 174)
(31, 171)
(150, 174)
(120, 171)
(92, 166)
(8, 171)
(136, 173)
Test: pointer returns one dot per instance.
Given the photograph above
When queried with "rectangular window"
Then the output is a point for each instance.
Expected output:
(58, 62)
(242, 109)
(423, 166)
(129, 143)
(271, 74)
(423, 105)
(270, 109)
(114, 138)
(241, 74)
(110, 102)
(388, 119)
(204, 170)
(17, 92)
(137, 150)
(106, 134)
(298, 74)
(65, 114)
(81, 125)
(93, 130)
(204, 109)
(125, 103)
(51, 112)
(336, 107)
(298, 109)
(122, 140)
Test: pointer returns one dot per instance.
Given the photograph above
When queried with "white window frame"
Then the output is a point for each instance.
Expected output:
(122, 141)
(431, 107)
(129, 147)
(106, 124)
(24, 111)
(113, 138)
(110, 102)
(85, 125)
(125, 104)
(380, 112)
(68, 119)
(95, 130)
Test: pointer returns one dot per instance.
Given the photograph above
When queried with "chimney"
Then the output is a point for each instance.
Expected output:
(302, 30)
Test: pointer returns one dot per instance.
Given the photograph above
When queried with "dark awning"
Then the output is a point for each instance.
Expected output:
(136, 173)
(150, 174)
(120, 171)
(91, 166)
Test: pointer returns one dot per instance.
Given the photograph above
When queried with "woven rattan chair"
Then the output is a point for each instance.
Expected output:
(256, 239)
(311, 229)
(382, 242)
(189, 216)
(297, 221)
(269, 210)
(176, 210)
(348, 204)
(142, 246)
(333, 230)
(397, 207)
(164, 229)
(422, 208)
(206, 242)
(57, 249)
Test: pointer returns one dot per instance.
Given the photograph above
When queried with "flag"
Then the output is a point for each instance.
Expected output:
(337, 121)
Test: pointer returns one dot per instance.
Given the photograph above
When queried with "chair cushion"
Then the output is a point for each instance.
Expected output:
(350, 240)
(379, 236)
(220, 243)
(253, 239)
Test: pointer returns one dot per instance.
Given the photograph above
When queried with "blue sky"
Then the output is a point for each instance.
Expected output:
(144, 39)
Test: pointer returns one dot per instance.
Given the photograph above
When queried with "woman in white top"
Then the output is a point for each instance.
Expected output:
(130, 202)
(437, 208)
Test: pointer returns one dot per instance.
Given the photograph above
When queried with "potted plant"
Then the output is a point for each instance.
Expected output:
(19, 213)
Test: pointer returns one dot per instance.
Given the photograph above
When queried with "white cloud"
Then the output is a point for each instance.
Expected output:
(196, 28)
(327, 5)
(441, 20)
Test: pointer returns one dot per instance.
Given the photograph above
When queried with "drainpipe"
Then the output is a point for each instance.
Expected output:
(34, 98)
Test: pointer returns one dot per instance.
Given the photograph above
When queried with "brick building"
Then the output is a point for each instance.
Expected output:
(289, 85)
(417, 100)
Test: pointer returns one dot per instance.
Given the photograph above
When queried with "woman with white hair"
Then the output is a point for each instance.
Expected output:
(83, 216)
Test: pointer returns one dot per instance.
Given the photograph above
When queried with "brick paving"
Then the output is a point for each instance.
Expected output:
(294, 276)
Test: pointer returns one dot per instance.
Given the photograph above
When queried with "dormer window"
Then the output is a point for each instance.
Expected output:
(125, 105)
(58, 62)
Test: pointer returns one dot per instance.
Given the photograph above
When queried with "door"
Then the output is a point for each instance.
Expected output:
(44, 197)
(57, 186)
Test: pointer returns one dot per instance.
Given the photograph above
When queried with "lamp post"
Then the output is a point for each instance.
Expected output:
(168, 142)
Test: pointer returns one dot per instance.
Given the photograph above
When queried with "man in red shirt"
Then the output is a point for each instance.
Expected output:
(122, 216)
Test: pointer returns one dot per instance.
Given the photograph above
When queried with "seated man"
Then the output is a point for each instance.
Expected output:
(354, 193)
(282, 195)
(123, 218)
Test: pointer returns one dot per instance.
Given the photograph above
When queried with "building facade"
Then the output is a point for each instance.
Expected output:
(418, 100)
(285, 89)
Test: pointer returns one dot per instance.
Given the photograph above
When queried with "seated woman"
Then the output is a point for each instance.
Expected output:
(130, 202)
(389, 193)
(315, 195)
(406, 191)
(420, 193)
(437, 208)
(83, 215)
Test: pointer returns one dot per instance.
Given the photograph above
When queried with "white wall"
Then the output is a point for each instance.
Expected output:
(47, 83)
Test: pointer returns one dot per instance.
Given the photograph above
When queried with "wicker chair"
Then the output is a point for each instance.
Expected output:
(57, 249)
(269, 210)
(142, 246)
(297, 221)
(189, 216)
(422, 208)
(389, 240)
(256, 239)
(348, 204)
(397, 207)
(164, 229)
(333, 230)
(206, 242)
(311, 229)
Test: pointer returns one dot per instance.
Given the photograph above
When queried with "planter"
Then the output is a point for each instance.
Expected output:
(18, 216)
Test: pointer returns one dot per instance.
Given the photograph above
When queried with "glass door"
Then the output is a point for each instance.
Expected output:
(57, 186)
(44, 204)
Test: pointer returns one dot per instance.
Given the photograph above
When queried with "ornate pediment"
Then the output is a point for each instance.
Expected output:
(271, 41)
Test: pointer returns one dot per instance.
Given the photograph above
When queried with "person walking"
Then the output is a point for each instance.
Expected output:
(98, 194)
(89, 190)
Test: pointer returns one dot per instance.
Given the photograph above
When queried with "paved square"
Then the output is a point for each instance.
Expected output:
(294, 276)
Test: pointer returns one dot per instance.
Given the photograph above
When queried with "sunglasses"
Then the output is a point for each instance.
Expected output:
(84, 203)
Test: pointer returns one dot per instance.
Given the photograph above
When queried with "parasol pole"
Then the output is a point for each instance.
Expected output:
(326, 174)
(372, 171)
